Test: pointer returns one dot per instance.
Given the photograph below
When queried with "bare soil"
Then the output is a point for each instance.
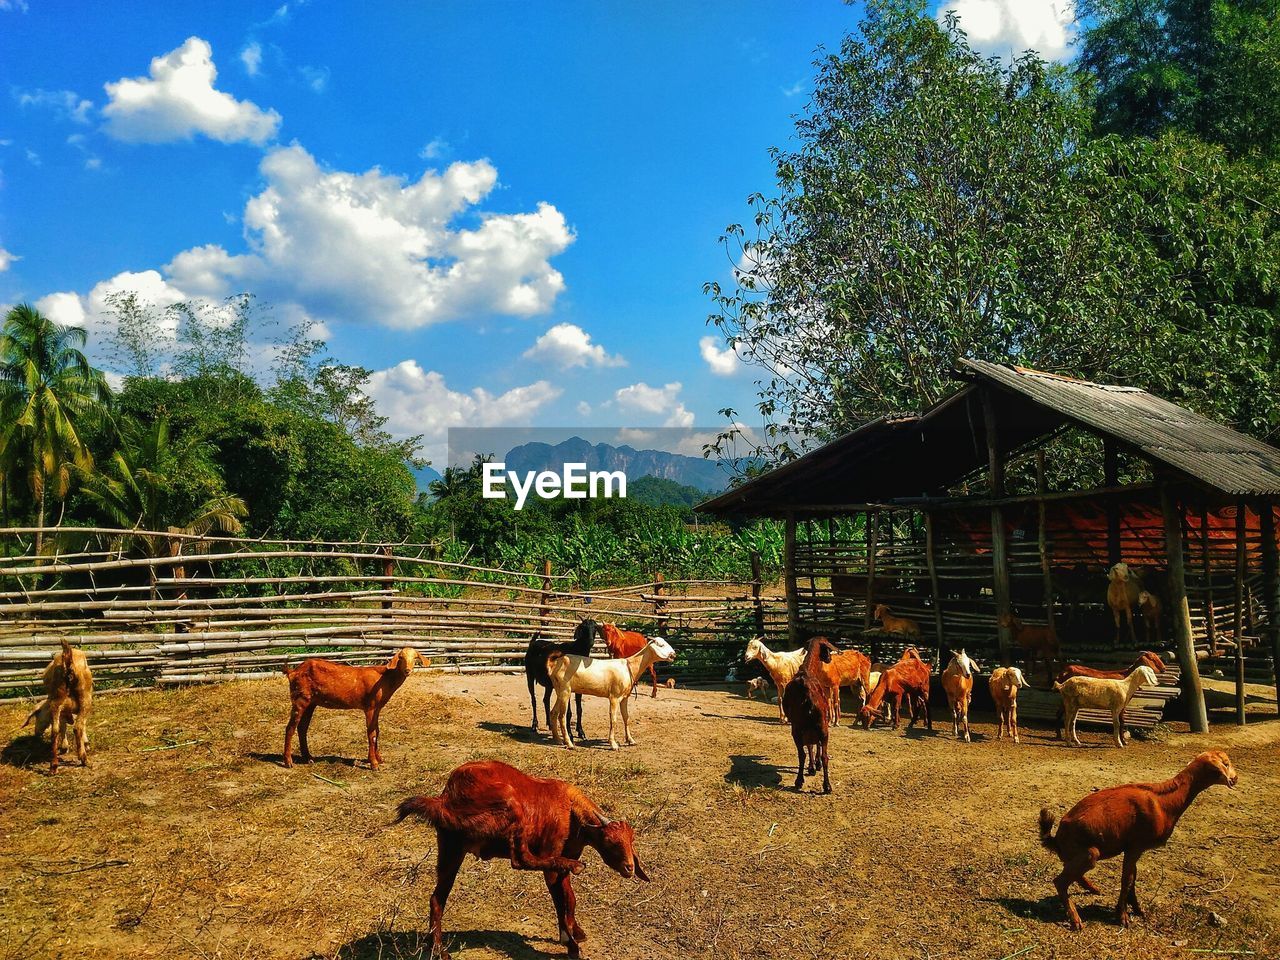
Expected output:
(186, 838)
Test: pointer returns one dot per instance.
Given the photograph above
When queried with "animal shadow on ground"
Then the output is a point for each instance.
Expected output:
(517, 731)
(1050, 909)
(772, 718)
(393, 945)
(748, 771)
(25, 751)
(278, 760)
(920, 732)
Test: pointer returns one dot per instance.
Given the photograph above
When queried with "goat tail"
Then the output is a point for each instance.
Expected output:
(428, 808)
(1058, 686)
(1047, 839)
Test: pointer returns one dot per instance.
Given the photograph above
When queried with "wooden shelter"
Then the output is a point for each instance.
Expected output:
(947, 516)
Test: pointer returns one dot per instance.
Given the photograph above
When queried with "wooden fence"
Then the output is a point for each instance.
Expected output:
(163, 608)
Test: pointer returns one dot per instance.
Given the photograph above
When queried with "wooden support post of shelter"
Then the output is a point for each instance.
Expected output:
(1242, 545)
(1042, 538)
(789, 554)
(1180, 611)
(757, 604)
(1111, 480)
(999, 535)
(1210, 613)
(1271, 584)
(871, 529)
(930, 546)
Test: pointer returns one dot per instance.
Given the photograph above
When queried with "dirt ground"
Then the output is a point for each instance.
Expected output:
(186, 838)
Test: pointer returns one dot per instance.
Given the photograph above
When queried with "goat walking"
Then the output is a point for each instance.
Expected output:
(957, 683)
(1130, 819)
(808, 701)
(493, 810)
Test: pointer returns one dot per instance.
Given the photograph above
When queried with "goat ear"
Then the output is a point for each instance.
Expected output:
(640, 871)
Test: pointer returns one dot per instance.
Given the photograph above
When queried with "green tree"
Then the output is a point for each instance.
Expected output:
(1206, 67)
(49, 395)
(153, 483)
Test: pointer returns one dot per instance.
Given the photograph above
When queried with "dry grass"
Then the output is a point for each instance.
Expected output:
(187, 838)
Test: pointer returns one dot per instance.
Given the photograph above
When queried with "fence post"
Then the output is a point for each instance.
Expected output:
(756, 584)
(544, 608)
(388, 570)
(659, 605)
(179, 573)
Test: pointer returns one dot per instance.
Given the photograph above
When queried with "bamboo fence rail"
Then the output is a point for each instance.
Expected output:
(215, 608)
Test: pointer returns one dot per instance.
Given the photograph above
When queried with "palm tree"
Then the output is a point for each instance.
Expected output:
(152, 483)
(48, 395)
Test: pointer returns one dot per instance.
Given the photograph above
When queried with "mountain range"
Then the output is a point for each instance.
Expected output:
(707, 475)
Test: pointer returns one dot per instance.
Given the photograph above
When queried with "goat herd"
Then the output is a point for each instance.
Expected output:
(493, 810)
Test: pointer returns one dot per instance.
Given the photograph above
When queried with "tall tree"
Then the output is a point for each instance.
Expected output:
(49, 393)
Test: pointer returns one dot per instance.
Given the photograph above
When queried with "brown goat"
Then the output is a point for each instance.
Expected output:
(493, 810)
(626, 643)
(846, 669)
(68, 696)
(1130, 819)
(908, 680)
(808, 704)
(1040, 641)
(337, 686)
(1123, 586)
(1149, 607)
(900, 625)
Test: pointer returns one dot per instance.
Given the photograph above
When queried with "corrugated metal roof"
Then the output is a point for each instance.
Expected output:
(1214, 454)
(907, 456)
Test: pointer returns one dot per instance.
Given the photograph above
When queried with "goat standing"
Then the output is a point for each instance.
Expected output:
(338, 686)
(957, 683)
(781, 666)
(1130, 819)
(601, 678)
(1004, 684)
(808, 701)
(493, 810)
(1113, 695)
(1122, 596)
(1145, 659)
(535, 669)
(847, 668)
(68, 696)
(624, 643)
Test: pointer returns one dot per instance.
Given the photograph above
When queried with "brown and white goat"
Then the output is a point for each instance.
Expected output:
(535, 668)
(68, 697)
(903, 626)
(493, 810)
(339, 686)
(1112, 695)
(808, 702)
(957, 683)
(625, 643)
(1004, 684)
(1129, 820)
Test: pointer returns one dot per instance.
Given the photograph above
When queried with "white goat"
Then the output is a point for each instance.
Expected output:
(1004, 684)
(782, 668)
(860, 693)
(1113, 695)
(957, 683)
(757, 685)
(597, 677)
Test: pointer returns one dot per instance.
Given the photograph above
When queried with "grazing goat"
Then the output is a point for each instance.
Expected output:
(908, 680)
(782, 668)
(845, 669)
(535, 668)
(1149, 607)
(338, 686)
(1113, 695)
(601, 678)
(624, 643)
(862, 690)
(808, 698)
(900, 625)
(493, 810)
(957, 683)
(68, 696)
(1130, 819)
(757, 685)
(1122, 596)
(1145, 659)
(1039, 641)
(1004, 684)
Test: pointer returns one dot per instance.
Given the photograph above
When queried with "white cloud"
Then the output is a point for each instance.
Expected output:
(63, 104)
(642, 398)
(795, 89)
(583, 408)
(680, 417)
(437, 148)
(6, 258)
(317, 78)
(1005, 27)
(19, 5)
(418, 401)
(91, 311)
(723, 363)
(251, 57)
(178, 101)
(567, 345)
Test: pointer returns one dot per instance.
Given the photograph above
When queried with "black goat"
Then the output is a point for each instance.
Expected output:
(535, 669)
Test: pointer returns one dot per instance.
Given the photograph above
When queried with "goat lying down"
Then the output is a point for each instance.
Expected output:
(493, 810)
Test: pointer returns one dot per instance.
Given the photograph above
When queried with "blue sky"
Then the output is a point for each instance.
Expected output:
(507, 211)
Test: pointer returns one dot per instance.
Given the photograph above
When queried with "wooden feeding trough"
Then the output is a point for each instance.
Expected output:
(1016, 495)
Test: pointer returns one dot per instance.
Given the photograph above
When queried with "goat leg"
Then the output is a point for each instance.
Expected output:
(799, 764)
(449, 857)
(826, 767)
(577, 712)
(561, 888)
(522, 858)
(533, 703)
(653, 675)
(304, 724)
